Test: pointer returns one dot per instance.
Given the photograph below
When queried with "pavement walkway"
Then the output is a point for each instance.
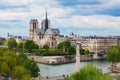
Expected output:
(50, 78)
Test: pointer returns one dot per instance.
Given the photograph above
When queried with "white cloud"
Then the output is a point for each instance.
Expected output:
(106, 4)
(14, 2)
(96, 21)
(8, 15)
(60, 16)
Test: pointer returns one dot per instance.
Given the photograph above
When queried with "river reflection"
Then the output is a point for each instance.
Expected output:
(59, 70)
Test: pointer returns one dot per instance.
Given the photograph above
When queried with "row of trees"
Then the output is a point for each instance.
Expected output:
(17, 67)
(28, 45)
(67, 47)
(64, 47)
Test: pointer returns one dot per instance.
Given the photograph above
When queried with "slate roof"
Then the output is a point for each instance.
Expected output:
(52, 31)
(40, 31)
(56, 31)
(49, 31)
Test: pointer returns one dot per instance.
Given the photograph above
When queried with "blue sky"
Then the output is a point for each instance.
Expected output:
(83, 17)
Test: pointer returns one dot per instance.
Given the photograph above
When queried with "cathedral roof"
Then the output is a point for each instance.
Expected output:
(52, 31)
(40, 31)
(49, 31)
(56, 31)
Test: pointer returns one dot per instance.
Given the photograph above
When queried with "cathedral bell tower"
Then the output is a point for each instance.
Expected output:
(33, 28)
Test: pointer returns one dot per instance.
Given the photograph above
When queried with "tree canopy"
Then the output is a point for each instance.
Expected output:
(12, 43)
(46, 47)
(89, 72)
(113, 54)
(86, 52)
(29, 65)
(29, 44)
(20, 45)
(64, 45)
(20, 73)
(71, 50)
(13, 65)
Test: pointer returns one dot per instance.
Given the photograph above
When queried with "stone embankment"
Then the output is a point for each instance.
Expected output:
(41, 59)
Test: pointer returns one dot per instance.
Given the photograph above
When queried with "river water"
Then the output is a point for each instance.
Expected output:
(59, 70)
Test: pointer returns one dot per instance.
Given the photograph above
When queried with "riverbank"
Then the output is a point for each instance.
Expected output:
(51, 78)
(57, 60)
(114, 75)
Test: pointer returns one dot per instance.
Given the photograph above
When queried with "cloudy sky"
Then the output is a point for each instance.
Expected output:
(84, 17)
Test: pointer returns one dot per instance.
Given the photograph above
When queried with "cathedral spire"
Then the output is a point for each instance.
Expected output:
(46, 22)
(46, 13)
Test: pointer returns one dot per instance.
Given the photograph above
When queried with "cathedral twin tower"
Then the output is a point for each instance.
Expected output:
(45, 35)
(34, 26)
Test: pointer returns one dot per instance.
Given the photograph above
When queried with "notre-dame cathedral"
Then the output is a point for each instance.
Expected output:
(45, 35)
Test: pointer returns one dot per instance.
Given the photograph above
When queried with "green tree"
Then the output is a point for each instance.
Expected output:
(36, 46)
(29, 44)
(2, 50)
(82, 51)
(12, 43)
(11, 58)
(113, 54)
(34, 69)
(71, 50)
(64, 44)
(6, 42)
(20, 73)
(4, 68)
(20, 45)
(89, 72)
(29, 65)
(106, 77)
(9, 62)
(45, 47)
(86, 52)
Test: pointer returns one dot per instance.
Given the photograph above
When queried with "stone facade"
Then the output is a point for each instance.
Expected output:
(45, 35)
(96, 44)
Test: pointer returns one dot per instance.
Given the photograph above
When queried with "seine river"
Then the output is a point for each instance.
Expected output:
(59, 70)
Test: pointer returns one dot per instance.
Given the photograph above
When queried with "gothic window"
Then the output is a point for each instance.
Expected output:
(35, 25)
(52, 44)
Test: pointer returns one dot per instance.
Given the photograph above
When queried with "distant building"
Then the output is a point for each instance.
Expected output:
(45, 35)
(19, 39)
(96, 43)
(99, 44)
(2, 40)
